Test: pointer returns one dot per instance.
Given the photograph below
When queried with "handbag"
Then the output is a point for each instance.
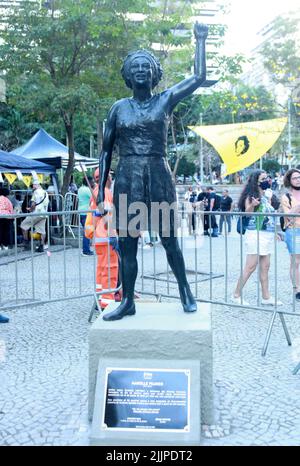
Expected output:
(242, 224)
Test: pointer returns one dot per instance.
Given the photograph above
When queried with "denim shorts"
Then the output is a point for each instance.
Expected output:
(292, 239)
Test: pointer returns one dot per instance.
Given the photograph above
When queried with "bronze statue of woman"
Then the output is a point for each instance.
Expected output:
(139, 127)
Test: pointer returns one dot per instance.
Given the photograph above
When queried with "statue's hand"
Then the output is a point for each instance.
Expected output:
(200, 31)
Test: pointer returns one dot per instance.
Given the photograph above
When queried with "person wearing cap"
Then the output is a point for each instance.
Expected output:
(39, 204)
(100, 228)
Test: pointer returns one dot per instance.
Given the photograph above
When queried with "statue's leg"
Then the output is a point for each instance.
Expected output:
(176, 262)
(129, 268)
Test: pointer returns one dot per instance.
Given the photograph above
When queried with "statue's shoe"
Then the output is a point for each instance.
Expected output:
(188, 301)
(120, 312)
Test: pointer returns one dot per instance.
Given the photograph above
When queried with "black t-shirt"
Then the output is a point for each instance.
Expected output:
(205, 197)
(214, 196)
(226, 203)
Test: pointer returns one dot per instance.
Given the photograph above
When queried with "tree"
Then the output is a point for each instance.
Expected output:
(281, 52)
(281, 56)
(64, 59)
(59, 56)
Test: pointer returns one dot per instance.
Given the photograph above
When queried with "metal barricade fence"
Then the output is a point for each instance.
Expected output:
(61, 273)
(71, 219)
(56, 204)
(215, 281)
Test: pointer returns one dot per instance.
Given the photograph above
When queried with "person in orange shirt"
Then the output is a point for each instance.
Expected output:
(105, 237)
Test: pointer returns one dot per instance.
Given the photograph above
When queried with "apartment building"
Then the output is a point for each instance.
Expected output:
(256, 74)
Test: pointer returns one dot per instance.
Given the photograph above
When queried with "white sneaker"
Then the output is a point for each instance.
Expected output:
(270, 302)
(148, 246)
(238, 300)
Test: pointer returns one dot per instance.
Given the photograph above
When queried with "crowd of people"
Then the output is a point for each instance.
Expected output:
(214, 211)
(259, 196)
(197, 202)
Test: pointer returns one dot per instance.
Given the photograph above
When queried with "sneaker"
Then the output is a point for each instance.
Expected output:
(297, 296)
(270, 302)
(238, 300)
(40, 248)
(90, 253)
(3, 319)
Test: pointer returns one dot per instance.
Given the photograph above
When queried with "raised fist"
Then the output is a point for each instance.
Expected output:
(200, 31)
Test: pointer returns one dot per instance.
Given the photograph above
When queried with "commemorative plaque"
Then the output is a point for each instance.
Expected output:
(147, 399)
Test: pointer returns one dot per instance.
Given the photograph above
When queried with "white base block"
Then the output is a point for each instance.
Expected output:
(157, 331)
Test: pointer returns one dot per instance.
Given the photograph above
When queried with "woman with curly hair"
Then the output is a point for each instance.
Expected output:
(290, 203)
(139, 127)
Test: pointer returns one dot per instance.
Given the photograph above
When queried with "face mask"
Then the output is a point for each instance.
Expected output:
(264, 185)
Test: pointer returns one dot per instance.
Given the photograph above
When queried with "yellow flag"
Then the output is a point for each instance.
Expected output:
(242, 144)
(40, 177)
(11, 177)
(27, 180)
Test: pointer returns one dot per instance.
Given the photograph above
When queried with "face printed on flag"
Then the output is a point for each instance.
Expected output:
(242, 144)
(27, 180)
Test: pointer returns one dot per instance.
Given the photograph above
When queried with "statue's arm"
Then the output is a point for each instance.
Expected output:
(189, 85)
(106, 153)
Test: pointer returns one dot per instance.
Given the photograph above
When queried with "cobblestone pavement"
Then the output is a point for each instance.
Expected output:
(44, 352)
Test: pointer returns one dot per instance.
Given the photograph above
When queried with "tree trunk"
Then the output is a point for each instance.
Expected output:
(71, 162)
(178, 153)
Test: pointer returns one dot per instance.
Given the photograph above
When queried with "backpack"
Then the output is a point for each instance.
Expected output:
(281, 219)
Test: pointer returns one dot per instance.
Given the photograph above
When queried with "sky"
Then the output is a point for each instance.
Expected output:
(247, 17)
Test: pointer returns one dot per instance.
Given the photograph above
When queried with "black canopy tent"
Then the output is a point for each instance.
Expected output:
(46, 148)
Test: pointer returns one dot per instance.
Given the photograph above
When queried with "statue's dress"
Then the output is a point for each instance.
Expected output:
(143, 173)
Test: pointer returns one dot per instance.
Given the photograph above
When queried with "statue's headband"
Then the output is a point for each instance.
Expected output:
(155, 64)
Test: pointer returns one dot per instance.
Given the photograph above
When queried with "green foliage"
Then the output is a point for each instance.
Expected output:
(271, 166)
(62, 63)
(281, 52)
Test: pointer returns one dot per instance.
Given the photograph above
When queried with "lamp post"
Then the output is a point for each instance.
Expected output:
(201, 153)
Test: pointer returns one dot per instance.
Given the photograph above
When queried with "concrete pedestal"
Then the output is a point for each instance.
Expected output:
(158, 331)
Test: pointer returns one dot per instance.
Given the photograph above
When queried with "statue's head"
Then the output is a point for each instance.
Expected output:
(156, 68)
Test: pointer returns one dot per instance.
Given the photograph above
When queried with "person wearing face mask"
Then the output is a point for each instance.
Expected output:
(260, 228)
(290, 203)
